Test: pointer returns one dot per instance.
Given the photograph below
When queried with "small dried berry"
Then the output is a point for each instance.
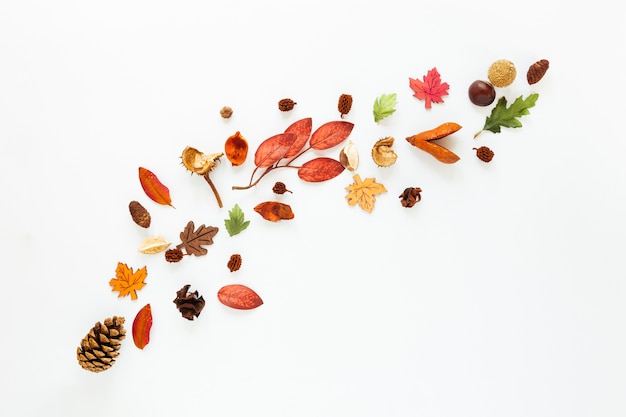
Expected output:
(139, 214)
(280, 188)
(174, 255)
(484, 153)
(226, 112)
(286, 104)
(344, 104)
(537, 71)
(410, 196)
(234, 263)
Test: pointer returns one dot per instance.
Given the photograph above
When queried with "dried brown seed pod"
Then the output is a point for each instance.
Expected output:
(198, 162)
(234, 263)
(382, 153)
(100, 347)
(226, 112)
(174, 255)
(537, 70)
(286, 104)
(140, 215)
(280, 188)
(484, 153)
(502, 73)
(189, 304)
(349, 157)
(410, 196)
(344, 104)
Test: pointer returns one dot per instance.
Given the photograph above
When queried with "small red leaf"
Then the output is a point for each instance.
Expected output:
(431, 89)
(302, 130)
(239, 296)
(154, 188)
(330, 134)
(274, 211)
(273, 149)
(141, 327)
(320, 169)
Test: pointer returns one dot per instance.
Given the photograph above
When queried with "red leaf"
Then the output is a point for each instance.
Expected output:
(154, 188)
(273, 149)
(431, 89)
(141, 327)
(274, 211)
(239, 296)
(330, 134)
(302, 130)
(320, 169)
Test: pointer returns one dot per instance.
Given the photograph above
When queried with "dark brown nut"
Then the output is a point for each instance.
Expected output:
(286, 104)
(139, 214)
(484, 153)
(537, 71)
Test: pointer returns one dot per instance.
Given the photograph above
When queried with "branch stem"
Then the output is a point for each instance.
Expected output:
(217, 195)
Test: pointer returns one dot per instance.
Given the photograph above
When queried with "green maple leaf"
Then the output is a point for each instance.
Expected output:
(236, 223)
(384, 106)
(502, 116)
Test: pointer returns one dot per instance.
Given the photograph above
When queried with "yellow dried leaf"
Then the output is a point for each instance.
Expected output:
(363, 192)
(128, 282)
(153, 245)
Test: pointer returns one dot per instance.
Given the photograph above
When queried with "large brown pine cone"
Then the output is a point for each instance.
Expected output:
(100, 347)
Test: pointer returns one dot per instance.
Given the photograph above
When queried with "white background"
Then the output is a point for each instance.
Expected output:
(500, 294)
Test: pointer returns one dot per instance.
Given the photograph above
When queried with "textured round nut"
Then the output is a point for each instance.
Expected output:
(226, 112)
(502, 73)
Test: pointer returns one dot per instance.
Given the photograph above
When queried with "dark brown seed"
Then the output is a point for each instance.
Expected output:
(537, 71)
(174, 255)
(280, 188)
(226, 112)
(484, 153)
(344, 104)
(481, 93)
(286, 104)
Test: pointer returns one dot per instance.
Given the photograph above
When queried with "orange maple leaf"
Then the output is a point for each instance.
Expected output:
(128, 282)
(431, 89)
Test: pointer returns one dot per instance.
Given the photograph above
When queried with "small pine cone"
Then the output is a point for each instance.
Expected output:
(139, 214)
(226, 112)
(286, 104)
(100, 347)
(537, 71)
(234, 263)
(484, 153)
(174, 255)
(280, 188)
(189, 304)
(345, 104)
(410, 196)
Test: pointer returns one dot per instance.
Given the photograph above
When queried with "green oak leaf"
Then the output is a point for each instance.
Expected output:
(236, 223)
(384, 106)
(503, 116)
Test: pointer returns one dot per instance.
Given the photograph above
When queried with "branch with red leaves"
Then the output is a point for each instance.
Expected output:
(281, 150)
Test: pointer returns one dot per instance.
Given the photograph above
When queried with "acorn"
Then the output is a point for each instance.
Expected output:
(536, 71)
(286, 104)
(484, 153)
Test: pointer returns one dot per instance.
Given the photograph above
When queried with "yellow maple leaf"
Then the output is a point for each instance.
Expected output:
(363, 192)
(128, 282)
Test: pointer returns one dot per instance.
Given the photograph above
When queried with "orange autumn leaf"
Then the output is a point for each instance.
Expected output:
(128, 282)
(154, 188)
(364, 193)
(274, 211)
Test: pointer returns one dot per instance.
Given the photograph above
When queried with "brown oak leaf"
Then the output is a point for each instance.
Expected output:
(363, 192)
(431, 89)
(193, 239)
(128, 282)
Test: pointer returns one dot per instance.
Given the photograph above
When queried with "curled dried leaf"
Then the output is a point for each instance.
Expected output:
(236, 149)
(382, 153)
(274, 211)
(153, 245)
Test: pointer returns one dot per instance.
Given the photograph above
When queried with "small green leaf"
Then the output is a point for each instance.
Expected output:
(236, 223)
(501, 116)
(384, 106)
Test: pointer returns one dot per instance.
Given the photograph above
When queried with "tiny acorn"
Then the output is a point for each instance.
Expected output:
(484, 153)
(286, 104)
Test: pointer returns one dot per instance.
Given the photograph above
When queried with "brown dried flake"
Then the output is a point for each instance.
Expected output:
(234, 263)
(190, 304)
(410, 196)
